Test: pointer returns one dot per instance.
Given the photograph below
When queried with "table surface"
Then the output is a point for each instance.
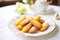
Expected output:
(7, 13)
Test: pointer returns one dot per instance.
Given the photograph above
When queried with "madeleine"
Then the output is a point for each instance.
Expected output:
(33, 30)
(35, 23)
(45, 26)
(19, 20)
(24, 22)
(37, 18)
(27, 27)
(19, 27)
(41, 21)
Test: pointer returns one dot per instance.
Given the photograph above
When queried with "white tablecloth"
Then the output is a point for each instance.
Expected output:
(8, 13)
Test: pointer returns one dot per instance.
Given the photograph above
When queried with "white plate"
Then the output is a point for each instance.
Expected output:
(20, 33)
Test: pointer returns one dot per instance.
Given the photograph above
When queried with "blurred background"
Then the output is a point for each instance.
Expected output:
(11, 2)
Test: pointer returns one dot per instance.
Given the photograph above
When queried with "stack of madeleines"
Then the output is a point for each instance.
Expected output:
(28, 24)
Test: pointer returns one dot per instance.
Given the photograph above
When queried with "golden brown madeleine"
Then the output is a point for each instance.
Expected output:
(37, 18)
(27, 17)
(33, 30)
(45, 26)
(24, 22)
(19, 20)
(27, 27)
(19, 27)
(41, 21)
(35, 23)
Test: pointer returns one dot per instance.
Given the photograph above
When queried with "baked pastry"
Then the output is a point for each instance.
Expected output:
(29, 24)
(19, 27)
(27, 27)
(37, 18)
(35, 23)
(45, 25)
(19, 20)
(33, 30)
(41, 21)
(24, 22)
